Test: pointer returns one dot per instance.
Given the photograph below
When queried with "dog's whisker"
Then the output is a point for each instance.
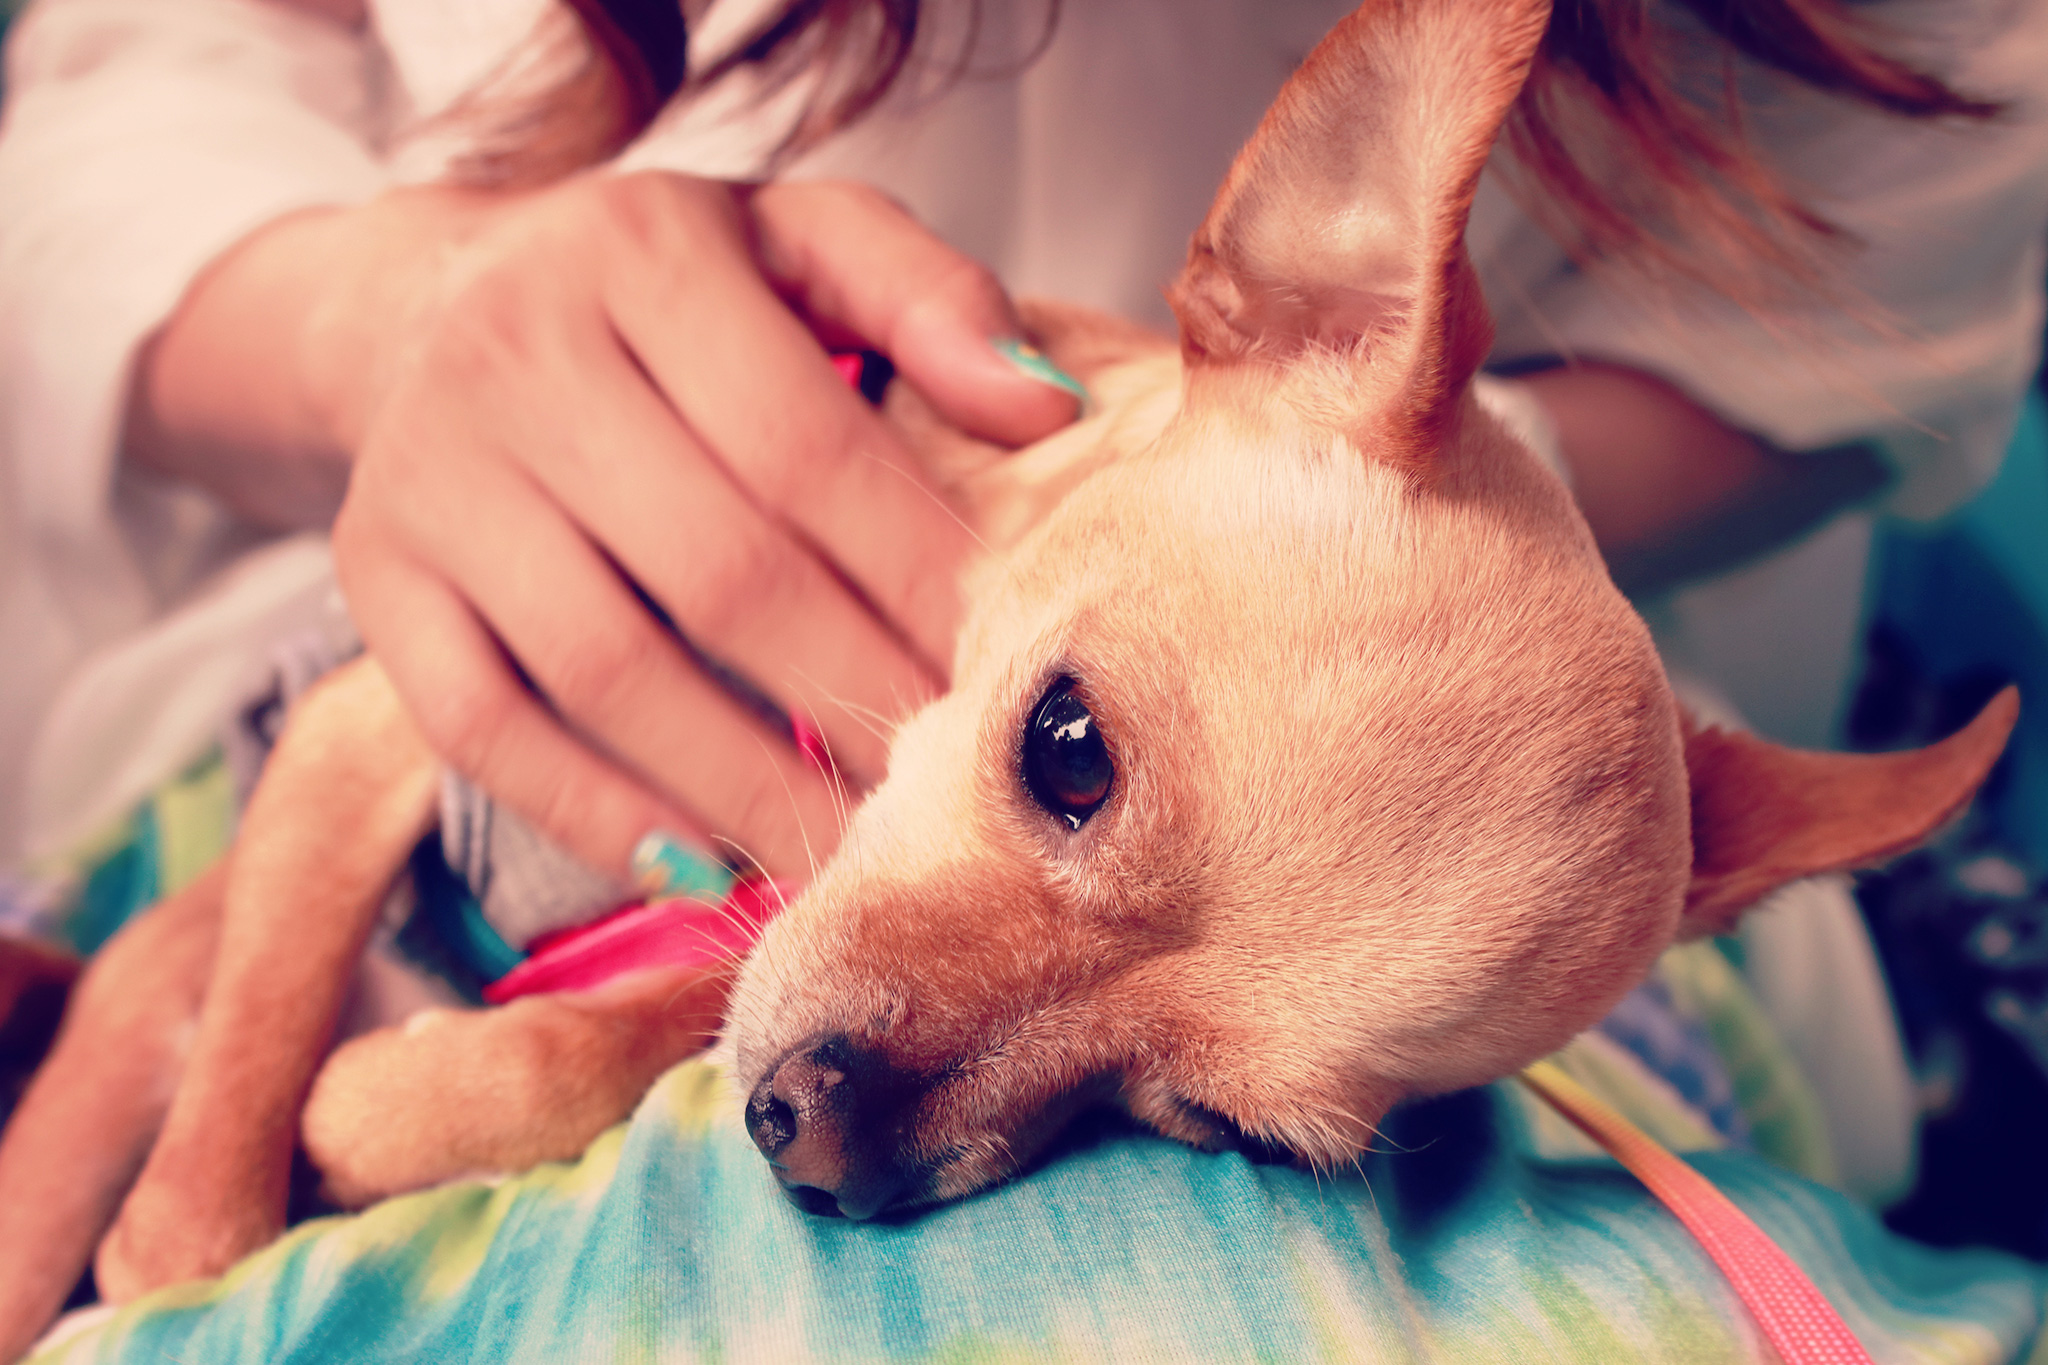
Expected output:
(842, 801)
(932, 494)
(1371, 1194)
(732, 919)
(876, 723)
(835, 786)
(869, 719)
(802, 829)
(740, 855)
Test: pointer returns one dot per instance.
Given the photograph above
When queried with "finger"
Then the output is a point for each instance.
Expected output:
(618, 677)
(852, 257)
(759, 392)
(740, 587)
(486, 724)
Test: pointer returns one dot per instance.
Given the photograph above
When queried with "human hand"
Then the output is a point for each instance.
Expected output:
(554, 398)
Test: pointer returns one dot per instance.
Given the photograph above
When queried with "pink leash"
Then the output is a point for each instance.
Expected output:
(1800, 1323)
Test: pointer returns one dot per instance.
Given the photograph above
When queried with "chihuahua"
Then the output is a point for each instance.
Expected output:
(1301, 758)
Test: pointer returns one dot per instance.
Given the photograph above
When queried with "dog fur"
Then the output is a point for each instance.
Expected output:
(1402, 799)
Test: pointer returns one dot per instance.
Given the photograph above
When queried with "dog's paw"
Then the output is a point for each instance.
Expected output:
(163, 1236)
(391, 1109)
(456, 1093)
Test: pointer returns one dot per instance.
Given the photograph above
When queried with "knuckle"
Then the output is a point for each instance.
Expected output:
(643, 192)
(965, 282)
(463, 717)
(631, 205)
(486, 326)
(929, 592)
(352, 538)
(782, 478)
(395, 508)
(659, 216)
(597, 674)
(811, 461)
(731, 586)
(501, 296)
(572, 803)
(842, 196)
(390, 484)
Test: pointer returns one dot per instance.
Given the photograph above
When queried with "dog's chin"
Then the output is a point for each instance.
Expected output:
(974, 1167)
(985, 1161)
(939, 1153)
(1265, 1119)
(968, 1167)
(1209, 1131)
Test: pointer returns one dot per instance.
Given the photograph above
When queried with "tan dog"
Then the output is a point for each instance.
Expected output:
(1301, 758)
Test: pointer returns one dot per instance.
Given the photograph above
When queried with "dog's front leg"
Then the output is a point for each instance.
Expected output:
(348, 792)
(87, 1119)
(455, 1093)
(461, 1093)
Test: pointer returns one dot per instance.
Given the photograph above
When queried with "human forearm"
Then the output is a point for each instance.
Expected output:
(1645, 459)
(1673, 492)
(255, 387)
(218, 397)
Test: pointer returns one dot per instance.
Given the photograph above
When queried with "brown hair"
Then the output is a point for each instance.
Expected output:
(627, 58)
(1618, 85)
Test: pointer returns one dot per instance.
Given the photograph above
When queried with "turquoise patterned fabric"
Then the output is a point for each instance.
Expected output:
(669, 1241)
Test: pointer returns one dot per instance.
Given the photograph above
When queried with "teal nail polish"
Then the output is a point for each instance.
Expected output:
(1028, 360)
(664, 865)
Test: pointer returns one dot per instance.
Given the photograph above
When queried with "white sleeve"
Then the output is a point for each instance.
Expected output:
(140, 139)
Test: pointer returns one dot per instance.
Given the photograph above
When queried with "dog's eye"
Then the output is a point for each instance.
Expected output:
(1066, 764)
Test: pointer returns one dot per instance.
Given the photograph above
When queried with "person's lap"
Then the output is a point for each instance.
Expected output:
(1456, 1240)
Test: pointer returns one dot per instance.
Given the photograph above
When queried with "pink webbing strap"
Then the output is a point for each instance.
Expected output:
(1801, 1324)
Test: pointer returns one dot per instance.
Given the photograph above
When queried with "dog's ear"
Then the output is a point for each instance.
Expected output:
(1341, 225)
(1763, 815)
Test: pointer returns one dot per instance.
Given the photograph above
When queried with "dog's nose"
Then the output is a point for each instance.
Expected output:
(831, 1118)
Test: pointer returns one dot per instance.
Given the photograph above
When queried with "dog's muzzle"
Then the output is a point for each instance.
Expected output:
(833, 1118)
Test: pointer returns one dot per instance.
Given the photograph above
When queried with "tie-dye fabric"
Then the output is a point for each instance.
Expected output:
(1459, 1241)
(1485, 1230)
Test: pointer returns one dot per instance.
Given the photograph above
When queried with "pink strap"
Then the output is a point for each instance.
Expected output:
(677, 932)
(849, 365)
(1800, 1323)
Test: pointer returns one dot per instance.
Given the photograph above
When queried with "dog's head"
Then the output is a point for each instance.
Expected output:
(1301, 757)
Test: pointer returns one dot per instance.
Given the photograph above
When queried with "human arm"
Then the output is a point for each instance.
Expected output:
(1672, 491)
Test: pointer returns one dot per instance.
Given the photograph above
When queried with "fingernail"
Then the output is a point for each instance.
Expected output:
(1033, 363)
(664, 865)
